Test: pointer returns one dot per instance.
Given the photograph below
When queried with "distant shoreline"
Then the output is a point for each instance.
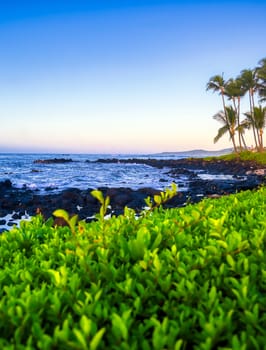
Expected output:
(188, 153)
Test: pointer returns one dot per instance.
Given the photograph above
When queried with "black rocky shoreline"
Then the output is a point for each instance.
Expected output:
(245, 175)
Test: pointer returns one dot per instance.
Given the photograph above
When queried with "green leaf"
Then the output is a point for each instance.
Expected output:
(222, 244)
(102, 211)
(119, 327)
(157, 263)
(143, 236)
(148, 202)
(60, 213)
(55, 276)
(98, 195)
(73, 221)
(230, 260)
(96, 339)
(85, 325)
(212, 249)
(195, 214)
(215, 234)
(157, 242)
(81, 339)
(178, 344)
(182, 271)
(157, 199)
(212, 295)
(98, 295)
(107, 201)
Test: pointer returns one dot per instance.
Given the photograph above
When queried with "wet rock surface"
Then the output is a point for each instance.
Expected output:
(53, 161)
(244, 176)
(234, 167)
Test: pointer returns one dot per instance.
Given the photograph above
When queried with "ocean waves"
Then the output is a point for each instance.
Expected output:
(82, 173)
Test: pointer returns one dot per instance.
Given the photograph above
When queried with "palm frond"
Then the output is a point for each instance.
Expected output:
(260, 117)
(231, 115)
(248, 78)
(215, 83)
(221, 132)
(220, 117)
(234, 88)
(246, 124)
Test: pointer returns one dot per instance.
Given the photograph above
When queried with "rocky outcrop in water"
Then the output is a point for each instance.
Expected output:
(246, 175)
(53, 161)
(232, 167)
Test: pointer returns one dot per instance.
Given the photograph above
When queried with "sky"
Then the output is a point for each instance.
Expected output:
(106, 76)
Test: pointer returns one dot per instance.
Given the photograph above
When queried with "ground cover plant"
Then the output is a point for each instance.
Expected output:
(187, 278)
(258, 157)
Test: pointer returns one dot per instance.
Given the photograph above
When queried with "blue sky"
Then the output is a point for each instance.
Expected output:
(120, 76)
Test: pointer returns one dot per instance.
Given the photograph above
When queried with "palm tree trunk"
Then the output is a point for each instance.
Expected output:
(244, 142)
(259, 143)
(234, 143)
(225, 111)
(232, 135)
(238, 123)
(251, 103)
(261, 140)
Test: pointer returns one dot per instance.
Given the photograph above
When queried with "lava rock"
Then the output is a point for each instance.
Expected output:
(53, 161)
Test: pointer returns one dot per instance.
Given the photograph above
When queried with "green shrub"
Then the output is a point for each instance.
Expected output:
(187, 278)
(258, 157)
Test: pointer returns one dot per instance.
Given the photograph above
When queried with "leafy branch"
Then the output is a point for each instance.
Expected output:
(70, 220)
(103, 201)
(160, 199)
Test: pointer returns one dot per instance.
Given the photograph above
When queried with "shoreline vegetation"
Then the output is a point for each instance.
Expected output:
(176, 278)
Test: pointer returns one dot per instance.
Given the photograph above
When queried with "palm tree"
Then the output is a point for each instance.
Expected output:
(234, 91)
(261, 74)
(249, 82)
(229, 121)
(217, 84)
(259, 122)
(253, 83)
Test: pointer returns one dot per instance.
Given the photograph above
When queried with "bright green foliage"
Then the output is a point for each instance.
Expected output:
(71, 221)
(163, 197)
(187, 278)
(259, 157)
(103, 201)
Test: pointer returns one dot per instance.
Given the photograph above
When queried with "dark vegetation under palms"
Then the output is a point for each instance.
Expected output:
(250, 82)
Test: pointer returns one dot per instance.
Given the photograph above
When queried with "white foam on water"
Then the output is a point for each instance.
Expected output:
(82, 173)
(15, 222)
(220, 177)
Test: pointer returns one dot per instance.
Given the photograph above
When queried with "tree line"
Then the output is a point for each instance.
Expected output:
(251, 83)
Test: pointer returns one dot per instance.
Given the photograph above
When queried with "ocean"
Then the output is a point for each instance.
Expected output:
(83, 173)
(22, 171)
